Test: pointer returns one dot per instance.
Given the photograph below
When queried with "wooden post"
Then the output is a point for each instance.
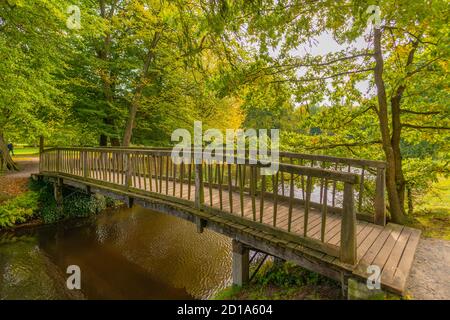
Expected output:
(127, 166)
(380, 205)
(200, 223)
(58, 157)
(240, 263)
(199, 192)
(85, 164)
(348, 227)
(130, 202)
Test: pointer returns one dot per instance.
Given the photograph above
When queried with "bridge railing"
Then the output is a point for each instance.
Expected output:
(369, 194)
(311, 205)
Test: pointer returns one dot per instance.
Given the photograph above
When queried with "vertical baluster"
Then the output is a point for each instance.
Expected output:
(308, 197)
(155, 162)
(324, 211)
(149, 171)
(333, 201)
(361, 190)
(189, 178)
(302, 181)
(136, 177)
(261, 203)
(275, 198)
(181, 178)
(108, 160)
(174, 179)
(161, 173)
(105, 165)
(220, 179)
(253, 189)
(291, 200)
(230, 186)
(167, 175)
(322, 165)
(139, 169)
(241, 188)
(210, 182)
(282, 179)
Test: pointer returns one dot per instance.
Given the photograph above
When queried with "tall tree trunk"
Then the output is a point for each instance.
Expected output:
(104, 53)
(395, 143)
(135, 103)
(395, 205)
(397, 131)
(131, 120)
(115, 142)
(103, 140)
(7, 160)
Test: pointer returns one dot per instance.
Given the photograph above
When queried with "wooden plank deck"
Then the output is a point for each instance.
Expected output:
(391, 247)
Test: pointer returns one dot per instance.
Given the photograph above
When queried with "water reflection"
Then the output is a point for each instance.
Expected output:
(124, 254)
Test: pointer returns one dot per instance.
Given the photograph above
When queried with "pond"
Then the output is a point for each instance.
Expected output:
(122, 254)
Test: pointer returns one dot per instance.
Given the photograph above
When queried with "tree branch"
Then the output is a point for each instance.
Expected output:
(324, 78)
(419, 112)
(354, 144)
(413, 126)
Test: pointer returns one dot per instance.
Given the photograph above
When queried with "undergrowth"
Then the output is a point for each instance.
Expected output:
(39, 202)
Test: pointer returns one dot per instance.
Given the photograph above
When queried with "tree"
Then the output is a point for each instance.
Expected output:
(400, 57)
(30, 98)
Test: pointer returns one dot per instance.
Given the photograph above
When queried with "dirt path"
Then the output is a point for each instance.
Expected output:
(15, 183)
(430, 274)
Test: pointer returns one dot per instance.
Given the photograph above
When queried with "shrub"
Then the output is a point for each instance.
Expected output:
(19, 209)
(76, 204)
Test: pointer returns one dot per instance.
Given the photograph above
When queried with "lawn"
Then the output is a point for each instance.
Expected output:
(432, 212)
(26, 151)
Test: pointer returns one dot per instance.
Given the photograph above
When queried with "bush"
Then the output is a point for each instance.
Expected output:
(76, 204)
(287, 275)
(19, 209)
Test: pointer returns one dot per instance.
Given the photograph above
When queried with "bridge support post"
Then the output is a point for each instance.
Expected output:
(200, 223)
(58, 194)
(130, 202)
(240, 263)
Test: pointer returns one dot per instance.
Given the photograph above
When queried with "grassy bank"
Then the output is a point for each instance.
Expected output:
(284, 281)
(432, 211)
(38, 205)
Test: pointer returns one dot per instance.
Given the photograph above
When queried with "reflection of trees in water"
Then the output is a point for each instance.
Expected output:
(27, 272)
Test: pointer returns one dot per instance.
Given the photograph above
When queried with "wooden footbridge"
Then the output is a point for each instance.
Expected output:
(324, 213)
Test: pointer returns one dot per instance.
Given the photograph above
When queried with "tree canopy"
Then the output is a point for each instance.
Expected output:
(135, 70)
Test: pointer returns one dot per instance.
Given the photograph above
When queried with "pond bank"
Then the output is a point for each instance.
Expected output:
(283, 281)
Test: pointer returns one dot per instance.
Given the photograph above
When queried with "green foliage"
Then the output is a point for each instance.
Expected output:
(19, 209)
(283, 281)
(287, 275)
(432, 213)
(75, 204)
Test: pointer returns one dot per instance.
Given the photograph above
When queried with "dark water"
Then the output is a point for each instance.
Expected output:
(122, 254)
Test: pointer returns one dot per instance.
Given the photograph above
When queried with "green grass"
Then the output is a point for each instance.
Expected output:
(432, 212)
(22, 151)
(283, 282)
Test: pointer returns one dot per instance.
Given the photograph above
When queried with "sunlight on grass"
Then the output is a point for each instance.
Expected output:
(26, 151)
(432, 213)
